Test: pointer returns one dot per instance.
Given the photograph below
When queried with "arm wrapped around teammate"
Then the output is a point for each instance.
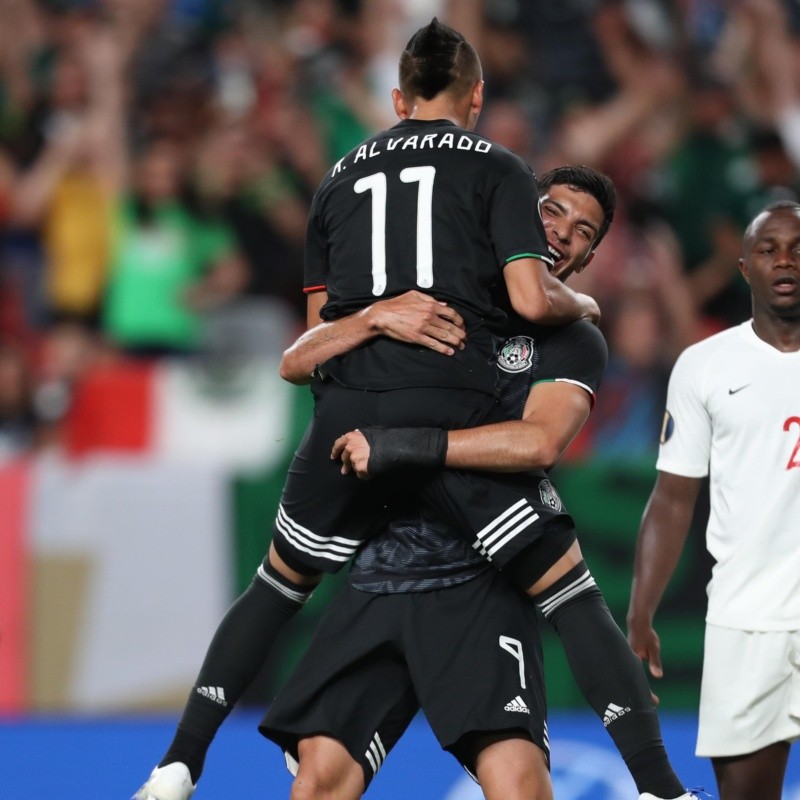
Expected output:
(395, 447)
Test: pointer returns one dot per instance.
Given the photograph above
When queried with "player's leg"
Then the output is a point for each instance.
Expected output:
(749, 701)
(350, 686)
(324, 516)
(245, 636)
(316, 529)
(237, 652)
(755, 776)
(317, 502)
(475, 660)
(512, 768)
(521, 526)
(326, 771)
(606, 670)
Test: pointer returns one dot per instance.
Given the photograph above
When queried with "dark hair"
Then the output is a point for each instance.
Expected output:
(438, 59)
(778, 205)
(585, 179)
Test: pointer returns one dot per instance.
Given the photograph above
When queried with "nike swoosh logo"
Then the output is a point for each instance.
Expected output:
(733, 391)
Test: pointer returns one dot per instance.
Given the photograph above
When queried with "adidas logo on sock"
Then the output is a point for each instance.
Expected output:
(517, 704)
(215, 693)
(613, 712)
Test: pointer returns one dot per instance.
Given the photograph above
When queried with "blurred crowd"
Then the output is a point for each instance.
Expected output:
(158, 158)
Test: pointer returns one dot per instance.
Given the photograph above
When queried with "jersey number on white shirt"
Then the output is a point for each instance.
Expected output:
(376, 184)
(794, 458)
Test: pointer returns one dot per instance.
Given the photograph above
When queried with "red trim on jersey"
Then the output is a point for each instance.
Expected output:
(310, 289)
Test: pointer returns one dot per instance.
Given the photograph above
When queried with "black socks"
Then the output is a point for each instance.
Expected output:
(611, 677)
(237, 652)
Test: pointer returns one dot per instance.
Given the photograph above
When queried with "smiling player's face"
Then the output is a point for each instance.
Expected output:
(572, 219)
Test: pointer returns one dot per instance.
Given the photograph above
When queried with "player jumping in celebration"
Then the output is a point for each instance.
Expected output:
(427, 204)
(733, 414)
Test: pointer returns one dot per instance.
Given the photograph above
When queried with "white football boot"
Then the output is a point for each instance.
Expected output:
(170, 782)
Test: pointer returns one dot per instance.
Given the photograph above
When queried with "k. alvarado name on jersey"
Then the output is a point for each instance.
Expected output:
(430, 141)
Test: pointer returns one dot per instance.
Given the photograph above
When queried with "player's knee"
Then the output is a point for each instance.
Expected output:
(513, 769)
(325, 785)
(290, 570)
(308, 787)
(326, 772)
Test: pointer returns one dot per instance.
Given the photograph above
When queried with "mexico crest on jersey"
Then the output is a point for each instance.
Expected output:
(516, 354)
(549, 495)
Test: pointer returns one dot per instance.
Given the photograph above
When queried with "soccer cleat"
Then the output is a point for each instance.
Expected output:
(170, 782)
(690, 795)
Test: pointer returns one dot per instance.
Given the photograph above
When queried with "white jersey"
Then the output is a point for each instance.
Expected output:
(733, 410)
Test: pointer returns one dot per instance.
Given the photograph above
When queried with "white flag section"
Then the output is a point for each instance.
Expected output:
(234, 416)
(132, 565)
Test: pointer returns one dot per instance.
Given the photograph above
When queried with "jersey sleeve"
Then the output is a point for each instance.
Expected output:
(576, 353)
(515, 224)
(315, 260)
(685, 442)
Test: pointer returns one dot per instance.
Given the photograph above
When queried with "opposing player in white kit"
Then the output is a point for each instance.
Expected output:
(733, 413)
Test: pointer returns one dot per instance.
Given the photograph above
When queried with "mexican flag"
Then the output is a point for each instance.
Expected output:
(122, 551)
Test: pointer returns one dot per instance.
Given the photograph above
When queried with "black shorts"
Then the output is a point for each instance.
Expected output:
(324, 516)
(503, 514)
(469, 655)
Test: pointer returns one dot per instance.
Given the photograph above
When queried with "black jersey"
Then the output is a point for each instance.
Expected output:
(415, 554)
(425, 205)
(575, 353)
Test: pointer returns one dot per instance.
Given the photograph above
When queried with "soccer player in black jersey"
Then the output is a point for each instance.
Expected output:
(430, 205)
(425, 205)
(455, 651)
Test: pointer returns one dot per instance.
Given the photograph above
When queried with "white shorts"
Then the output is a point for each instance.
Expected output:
(750, 694)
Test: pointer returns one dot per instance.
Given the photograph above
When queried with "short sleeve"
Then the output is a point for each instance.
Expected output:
(685, 442)
(315, 269)
(515, 224)
(576, 353)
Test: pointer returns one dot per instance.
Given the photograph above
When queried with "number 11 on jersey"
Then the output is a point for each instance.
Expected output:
(376, 184)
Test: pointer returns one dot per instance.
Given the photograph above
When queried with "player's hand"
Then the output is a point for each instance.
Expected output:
(645, 643)
(418, 318)
(353, 451)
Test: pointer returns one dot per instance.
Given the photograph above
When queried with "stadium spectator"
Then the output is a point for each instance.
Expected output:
(253, 188)
(169, 264)
(67, 192)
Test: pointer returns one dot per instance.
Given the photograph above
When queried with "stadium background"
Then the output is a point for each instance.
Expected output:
(143, 443)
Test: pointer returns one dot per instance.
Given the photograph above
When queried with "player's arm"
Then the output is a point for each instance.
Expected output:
(538, 296)
(554, 413)
(413, 317)
(661, 538)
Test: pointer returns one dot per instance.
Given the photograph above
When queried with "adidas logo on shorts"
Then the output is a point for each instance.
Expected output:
(517, 704)
(614, 712)
(215, 693)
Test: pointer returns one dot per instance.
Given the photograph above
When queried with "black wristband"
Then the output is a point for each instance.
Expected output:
(397, 447)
